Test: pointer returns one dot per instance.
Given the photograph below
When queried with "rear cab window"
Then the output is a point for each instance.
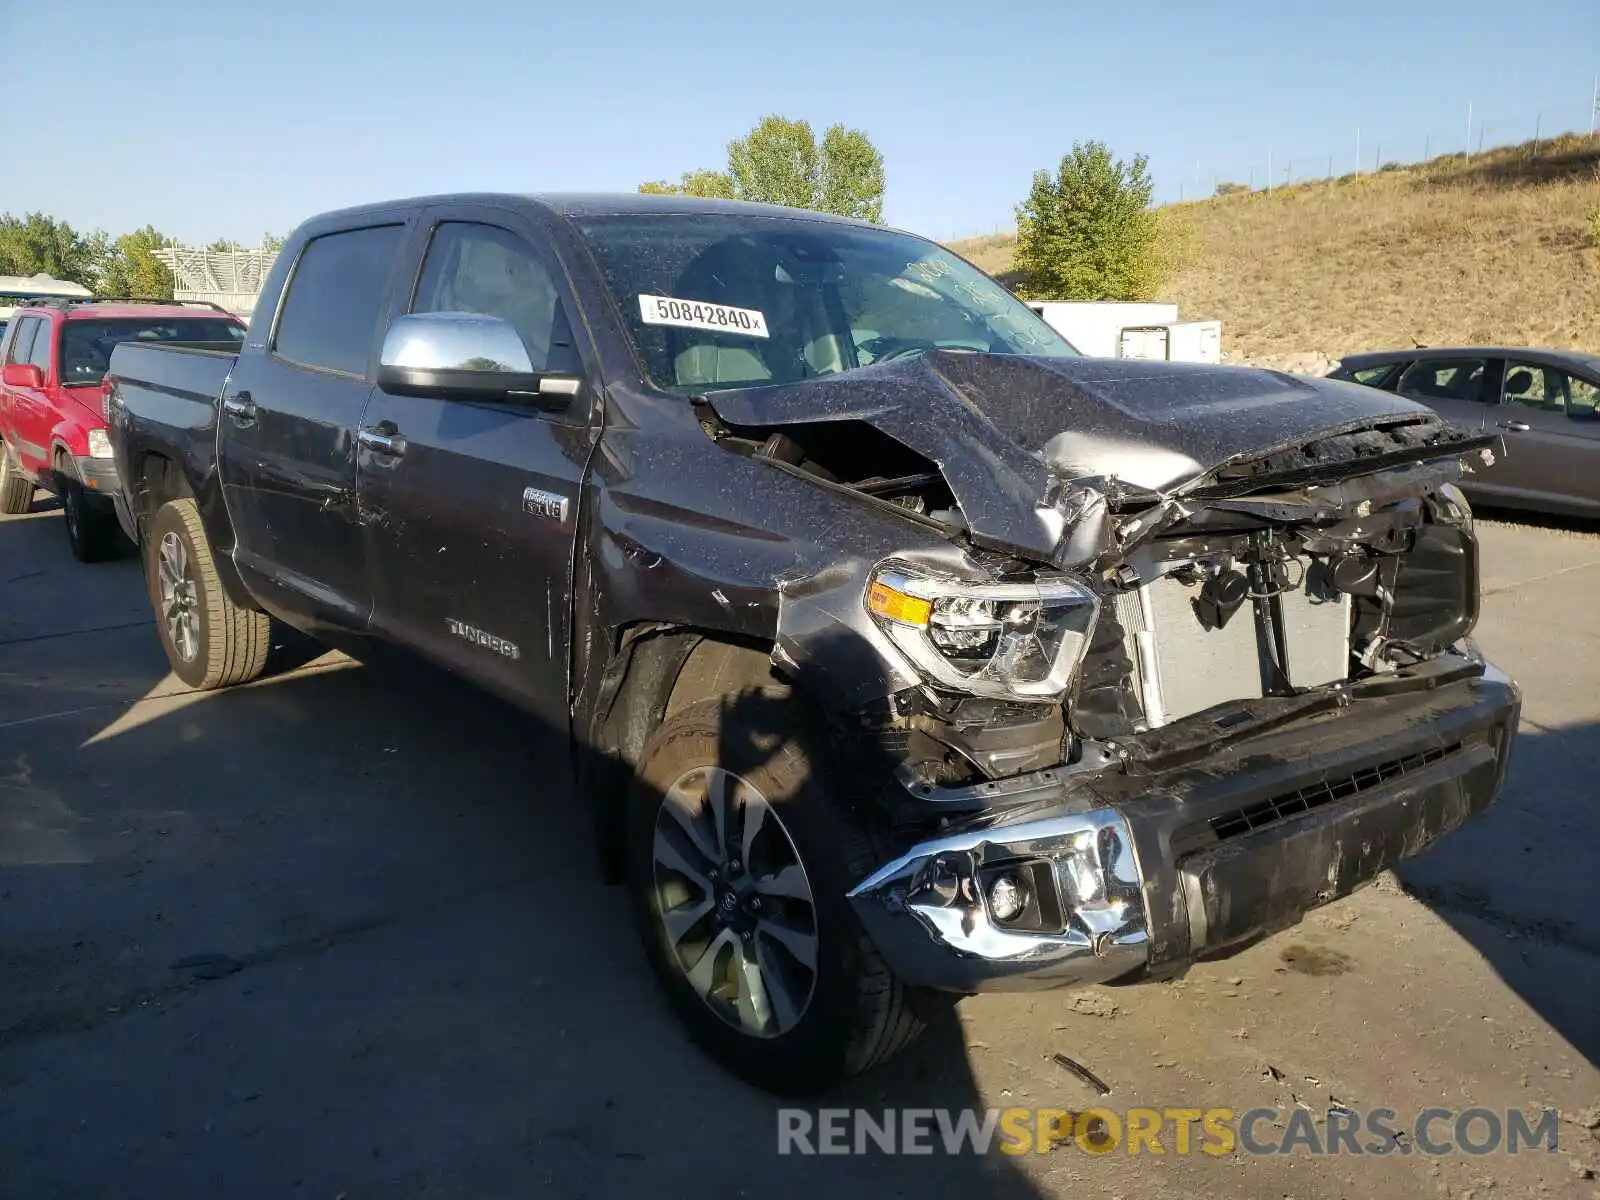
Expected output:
(336, 297)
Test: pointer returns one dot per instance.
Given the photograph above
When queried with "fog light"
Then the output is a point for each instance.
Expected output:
(1007, 898)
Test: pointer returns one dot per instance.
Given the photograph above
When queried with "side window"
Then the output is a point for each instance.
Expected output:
(482, 269)
(336, 297)
(39, 355)
(1582, 396)
(1372, 376)
(22, 343)
(1444, 379)
(1544, 389)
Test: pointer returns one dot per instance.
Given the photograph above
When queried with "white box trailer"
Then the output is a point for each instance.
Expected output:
(17, 290)
(1132, 329)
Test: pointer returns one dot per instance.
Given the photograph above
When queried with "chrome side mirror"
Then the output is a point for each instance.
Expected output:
(467, 356)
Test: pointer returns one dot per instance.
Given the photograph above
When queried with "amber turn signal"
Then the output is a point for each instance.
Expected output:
(894, 605)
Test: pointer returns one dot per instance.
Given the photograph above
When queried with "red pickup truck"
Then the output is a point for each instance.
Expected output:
(52, 402)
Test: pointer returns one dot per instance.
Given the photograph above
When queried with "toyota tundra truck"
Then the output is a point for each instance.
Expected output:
(902, 651)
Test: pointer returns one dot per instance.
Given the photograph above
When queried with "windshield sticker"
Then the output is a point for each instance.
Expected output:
(697, 314)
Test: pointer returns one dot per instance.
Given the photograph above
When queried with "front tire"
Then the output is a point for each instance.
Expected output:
(93, 535)
(210, 641)
(16, 489)
(740, 852)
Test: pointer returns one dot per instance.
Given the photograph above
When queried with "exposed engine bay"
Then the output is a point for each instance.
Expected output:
(1318, 563)
(1192, 538)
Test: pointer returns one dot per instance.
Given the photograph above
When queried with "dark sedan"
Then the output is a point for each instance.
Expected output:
(1541, 402)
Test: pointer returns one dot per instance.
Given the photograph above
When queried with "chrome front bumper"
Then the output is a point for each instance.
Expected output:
(930, 906)
(1154, 868)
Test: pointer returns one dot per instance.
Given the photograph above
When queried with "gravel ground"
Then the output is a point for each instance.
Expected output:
(336, 934)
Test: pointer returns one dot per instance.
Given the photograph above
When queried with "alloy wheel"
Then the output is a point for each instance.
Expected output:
(180, 598)
(734, 901)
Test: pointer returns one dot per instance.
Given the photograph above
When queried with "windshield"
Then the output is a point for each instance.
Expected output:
(86, 346)
(732, 300)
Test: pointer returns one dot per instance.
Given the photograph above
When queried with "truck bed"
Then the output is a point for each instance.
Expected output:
(192, 371)
(163, 401)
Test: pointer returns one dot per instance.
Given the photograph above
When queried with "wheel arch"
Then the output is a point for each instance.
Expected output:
(654, 671)
(61, 455)
(159, 479)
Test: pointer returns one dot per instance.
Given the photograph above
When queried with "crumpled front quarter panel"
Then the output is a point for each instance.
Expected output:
(684, 532)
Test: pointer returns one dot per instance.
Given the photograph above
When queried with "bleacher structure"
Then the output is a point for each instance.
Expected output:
(231, 278)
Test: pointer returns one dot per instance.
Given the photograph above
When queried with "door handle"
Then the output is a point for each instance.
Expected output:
(392, 444)
(240, 407)
(1516, 426)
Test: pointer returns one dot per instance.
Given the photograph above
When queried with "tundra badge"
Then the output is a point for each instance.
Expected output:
(478, 637)
(544, 504)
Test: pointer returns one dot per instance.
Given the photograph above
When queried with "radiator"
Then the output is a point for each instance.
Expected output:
(1180, 667)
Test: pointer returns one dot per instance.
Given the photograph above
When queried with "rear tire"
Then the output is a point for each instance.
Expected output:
(798, 1030)
(93, 535)
(16, 489)
(210, 641)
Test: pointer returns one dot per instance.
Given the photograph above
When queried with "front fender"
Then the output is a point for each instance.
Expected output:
(727, 544)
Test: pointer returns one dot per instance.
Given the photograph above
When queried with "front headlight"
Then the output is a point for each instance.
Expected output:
(99, 444)
(1019, 640)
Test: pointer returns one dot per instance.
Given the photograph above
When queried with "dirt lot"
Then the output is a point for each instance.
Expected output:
(336, 934)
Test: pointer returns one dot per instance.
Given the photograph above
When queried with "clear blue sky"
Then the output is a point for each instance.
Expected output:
(226, 120)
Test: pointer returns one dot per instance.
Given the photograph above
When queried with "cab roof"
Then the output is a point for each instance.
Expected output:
(579, 205)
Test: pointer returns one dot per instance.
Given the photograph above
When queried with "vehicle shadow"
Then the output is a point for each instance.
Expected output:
(340, 932)
(1519, 882)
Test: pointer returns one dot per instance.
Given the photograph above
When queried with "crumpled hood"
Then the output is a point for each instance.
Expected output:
(1011, 434)
(1157, 425)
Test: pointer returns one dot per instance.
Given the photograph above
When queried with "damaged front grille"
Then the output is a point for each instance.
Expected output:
(1181, 667)
(1317, 795)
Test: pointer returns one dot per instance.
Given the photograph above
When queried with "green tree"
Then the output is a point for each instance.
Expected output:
(226, 246)
(777, 162)
(36, 244)
(852, 175)
(134, 270)
(781, 162)
(711, 185)
(1088, 232)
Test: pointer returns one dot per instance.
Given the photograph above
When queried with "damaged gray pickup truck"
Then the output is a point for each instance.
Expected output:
(902, 652)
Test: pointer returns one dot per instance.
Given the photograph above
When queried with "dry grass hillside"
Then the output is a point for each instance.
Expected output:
(1504, 248)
